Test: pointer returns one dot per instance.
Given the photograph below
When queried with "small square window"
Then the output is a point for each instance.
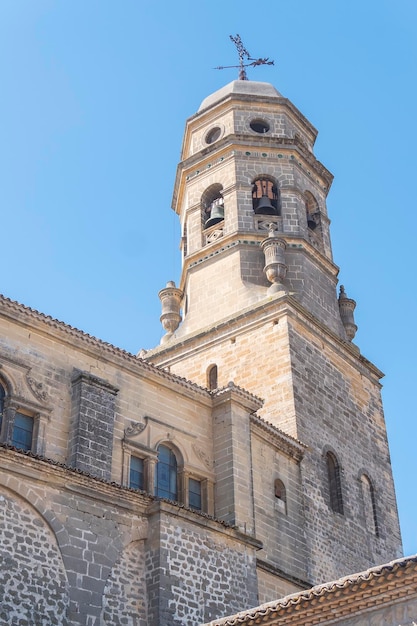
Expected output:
(136, 473)
(22, 432)
(194, 494)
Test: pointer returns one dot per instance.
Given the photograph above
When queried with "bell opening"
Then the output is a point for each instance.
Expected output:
(265, 198)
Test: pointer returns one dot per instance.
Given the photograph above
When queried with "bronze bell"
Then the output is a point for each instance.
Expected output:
(265, 207)
(216, 214)
(311, 221)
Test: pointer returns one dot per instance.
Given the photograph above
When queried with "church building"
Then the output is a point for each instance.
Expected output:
(244, 461)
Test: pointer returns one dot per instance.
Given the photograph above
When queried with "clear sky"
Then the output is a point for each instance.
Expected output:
(94, 97)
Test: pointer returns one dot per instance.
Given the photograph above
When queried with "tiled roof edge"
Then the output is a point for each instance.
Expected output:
(98, 343)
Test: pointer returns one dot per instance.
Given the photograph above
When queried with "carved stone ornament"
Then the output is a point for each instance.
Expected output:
(214, 235)
(203, 456)
(36, 388)
(135, 428)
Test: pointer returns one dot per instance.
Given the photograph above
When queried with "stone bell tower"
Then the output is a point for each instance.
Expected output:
(260, 308)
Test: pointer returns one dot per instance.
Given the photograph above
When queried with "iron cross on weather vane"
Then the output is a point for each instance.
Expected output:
(244, 54)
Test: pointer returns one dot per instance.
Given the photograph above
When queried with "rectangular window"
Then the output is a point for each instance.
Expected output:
(136, 473)
(22, 432)
(194, 494)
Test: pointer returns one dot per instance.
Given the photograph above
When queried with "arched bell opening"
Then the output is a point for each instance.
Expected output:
(314, 221)
(312, 211)
(265, 196)
(212, 205)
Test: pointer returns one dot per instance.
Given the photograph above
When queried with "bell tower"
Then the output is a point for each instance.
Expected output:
(260, 308)
(248, 171)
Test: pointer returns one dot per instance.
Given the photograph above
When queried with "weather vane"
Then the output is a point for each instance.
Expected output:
(244, 54)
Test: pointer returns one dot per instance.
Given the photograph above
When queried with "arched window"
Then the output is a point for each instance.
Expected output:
(335, 486)
(265, 197)
(166, 483)
(212, 377)
(213, 205)
(368, 494)
(313, 211)
(280, 495)
(2, 397)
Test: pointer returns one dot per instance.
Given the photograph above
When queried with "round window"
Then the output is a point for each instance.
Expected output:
(259, 126)
(213, 134)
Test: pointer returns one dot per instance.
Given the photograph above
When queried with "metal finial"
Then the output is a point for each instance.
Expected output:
(243, 53)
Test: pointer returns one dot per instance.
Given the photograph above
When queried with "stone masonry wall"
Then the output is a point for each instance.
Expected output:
(91, 439)
(279, 524)
(33, 583)
(202, 575)
(68, 549)
(339, 408)
(125, 596)
(322, 394)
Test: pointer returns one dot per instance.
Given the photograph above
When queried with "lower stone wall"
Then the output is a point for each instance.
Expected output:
(270, 587)
(204, 574)
(125, 598)
(33, 583)
(76, 551)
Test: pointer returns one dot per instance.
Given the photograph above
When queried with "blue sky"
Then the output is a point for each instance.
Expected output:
(95, 94)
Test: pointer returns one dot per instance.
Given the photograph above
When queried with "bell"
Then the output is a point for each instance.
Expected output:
(216, 215)
(311, 221)
(265, 207)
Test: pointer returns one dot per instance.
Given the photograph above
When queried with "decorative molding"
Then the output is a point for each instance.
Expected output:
(203, 456)
(135, 428)
(36, 388)
(214, 235)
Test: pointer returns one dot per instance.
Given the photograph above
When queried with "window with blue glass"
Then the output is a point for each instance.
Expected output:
(2, 396)
(166, 474)
(22, 432)
(194, 494)
(136, 473)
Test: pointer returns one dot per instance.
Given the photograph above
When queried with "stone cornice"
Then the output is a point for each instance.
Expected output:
(38, 469)
(226, 148)
(237, 394)
(239, 239)
(276, 571)
(294, 448)
(349, 596)
(269, 310)
(77, 339)
(202, 519)
(230, 100)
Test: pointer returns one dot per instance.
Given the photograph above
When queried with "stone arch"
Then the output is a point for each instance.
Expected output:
(212, 377)
(125, 597)
(265, 195)
(334, 482)
(8, 382)
(168, 472)
(280, 493)
(369, 502)
(25, 492)
(314, 221)
(178, 450)
(212, 205)
(32, 574)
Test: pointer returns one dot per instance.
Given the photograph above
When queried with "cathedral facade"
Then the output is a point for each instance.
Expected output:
(242, 460)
